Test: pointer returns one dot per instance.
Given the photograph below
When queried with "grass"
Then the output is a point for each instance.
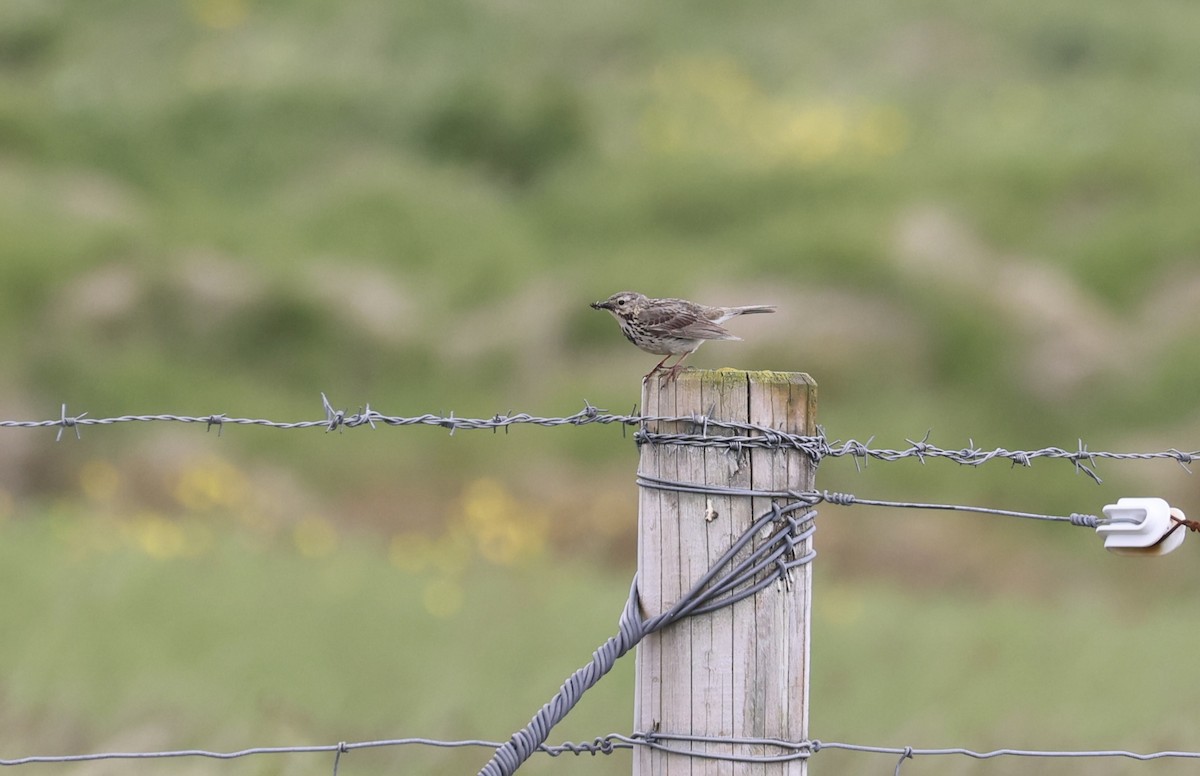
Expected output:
(122, 639)
(246, 641)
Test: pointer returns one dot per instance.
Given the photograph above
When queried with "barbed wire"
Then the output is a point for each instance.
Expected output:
(741, 435)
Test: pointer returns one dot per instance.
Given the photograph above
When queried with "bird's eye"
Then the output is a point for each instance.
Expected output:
(620, 302)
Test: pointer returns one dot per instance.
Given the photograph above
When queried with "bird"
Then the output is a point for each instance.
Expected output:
(671, 327)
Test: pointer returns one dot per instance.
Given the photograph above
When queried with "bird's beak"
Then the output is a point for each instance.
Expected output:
(599, 306)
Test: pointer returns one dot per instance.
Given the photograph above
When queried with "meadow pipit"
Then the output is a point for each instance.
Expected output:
(671, 327)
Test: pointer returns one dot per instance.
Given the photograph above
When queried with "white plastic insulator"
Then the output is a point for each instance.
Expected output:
(1141, 526)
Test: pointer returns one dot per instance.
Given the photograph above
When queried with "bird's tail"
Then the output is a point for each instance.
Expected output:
(753, 308)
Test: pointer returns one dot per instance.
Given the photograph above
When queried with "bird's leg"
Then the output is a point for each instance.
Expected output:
(657, 366)
(677, 367)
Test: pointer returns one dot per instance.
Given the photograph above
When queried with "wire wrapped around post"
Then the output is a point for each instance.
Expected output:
(739, 573)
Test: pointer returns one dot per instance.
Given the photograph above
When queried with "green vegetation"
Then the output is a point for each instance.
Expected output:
(977, 219)
(123, 636)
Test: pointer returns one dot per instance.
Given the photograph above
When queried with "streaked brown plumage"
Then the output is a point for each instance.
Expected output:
(671, 327)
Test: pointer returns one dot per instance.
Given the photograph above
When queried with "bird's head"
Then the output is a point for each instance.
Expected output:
(621, 303)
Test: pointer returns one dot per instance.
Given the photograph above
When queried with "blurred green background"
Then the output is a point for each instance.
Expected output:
(977, 219)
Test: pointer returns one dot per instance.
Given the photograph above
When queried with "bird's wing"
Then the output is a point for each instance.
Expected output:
(682, 322)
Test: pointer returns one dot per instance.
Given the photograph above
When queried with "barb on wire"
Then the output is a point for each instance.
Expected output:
(215, 420)
(333, 418)
(66, 422)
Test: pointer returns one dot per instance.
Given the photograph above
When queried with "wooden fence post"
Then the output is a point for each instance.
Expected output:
(741, 671)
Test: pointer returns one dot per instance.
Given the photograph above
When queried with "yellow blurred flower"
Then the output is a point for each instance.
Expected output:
(157, 536)
(716, 108)
(504, 530)
(218, 14)
(812, 134)
(210, 483)
(883, 131)
(447, 555)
